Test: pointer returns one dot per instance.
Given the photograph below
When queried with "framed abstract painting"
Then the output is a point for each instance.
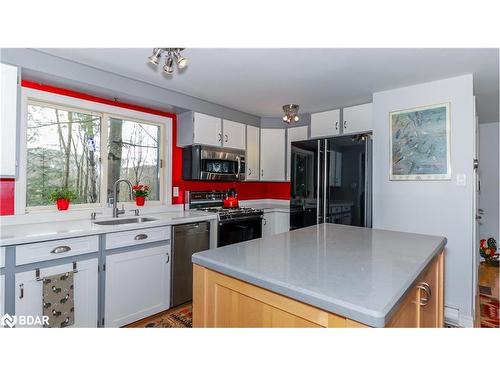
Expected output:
(420, 143)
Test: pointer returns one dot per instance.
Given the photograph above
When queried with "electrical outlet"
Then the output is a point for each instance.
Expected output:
(175, 192)
(461, 179)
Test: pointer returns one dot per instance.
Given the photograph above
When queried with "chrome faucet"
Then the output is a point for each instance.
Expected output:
(117, 211)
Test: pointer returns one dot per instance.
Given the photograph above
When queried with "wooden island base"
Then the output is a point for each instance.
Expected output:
(223, 301)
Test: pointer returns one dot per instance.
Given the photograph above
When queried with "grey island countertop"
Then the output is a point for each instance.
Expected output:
(359, 273)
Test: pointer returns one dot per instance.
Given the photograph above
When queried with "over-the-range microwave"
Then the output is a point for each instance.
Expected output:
(213, 163)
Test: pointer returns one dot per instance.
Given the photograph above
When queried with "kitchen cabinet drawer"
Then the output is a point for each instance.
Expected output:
(50, 250)
(137, 237)
(2, 257)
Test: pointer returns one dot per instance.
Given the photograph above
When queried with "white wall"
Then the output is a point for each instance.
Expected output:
(432, 207)
(489, 175)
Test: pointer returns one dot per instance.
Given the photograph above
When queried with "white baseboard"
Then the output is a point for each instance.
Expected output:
(452, 316)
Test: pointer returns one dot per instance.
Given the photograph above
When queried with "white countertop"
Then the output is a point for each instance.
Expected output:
(26, 233)
(360, 273)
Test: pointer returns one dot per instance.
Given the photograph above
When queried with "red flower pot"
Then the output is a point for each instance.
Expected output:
(62, 204)
(140, 201)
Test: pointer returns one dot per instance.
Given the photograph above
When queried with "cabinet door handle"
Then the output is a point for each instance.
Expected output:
(21, 291)
(140, 237)
(220, 137)
(249, 171)
(225, 135)
(336, 125)
(262, 172)
(60, 249)
(264, 221)
(168, 258)
(345, 124)
(427, 289)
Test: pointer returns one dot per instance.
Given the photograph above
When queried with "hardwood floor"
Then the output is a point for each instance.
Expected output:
(177, 317)
(487, 305)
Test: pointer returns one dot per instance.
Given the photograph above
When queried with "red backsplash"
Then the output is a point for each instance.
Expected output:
(245, 190)
(7, 196)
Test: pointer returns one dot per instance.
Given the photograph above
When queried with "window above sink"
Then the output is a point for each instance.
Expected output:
(86, 146)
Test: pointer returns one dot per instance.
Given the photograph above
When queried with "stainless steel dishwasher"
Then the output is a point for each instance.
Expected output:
(187, 239)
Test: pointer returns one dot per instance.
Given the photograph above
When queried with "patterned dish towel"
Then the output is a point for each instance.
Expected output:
(58, 302)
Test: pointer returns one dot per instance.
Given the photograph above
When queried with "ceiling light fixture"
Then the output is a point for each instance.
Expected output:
(291, 113)
(168, 68)
(169, 64)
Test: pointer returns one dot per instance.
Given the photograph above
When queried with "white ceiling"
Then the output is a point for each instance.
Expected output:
(260, 81)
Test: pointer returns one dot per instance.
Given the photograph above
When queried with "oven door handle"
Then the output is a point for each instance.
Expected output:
(238, 219)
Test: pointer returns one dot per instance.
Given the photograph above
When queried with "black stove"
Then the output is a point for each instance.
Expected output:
(228, 214)
(235, 224)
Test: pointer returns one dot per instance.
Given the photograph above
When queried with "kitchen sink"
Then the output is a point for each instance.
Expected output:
(131, 220)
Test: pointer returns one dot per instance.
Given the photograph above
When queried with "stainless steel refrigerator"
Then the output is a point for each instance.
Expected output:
(331, 181)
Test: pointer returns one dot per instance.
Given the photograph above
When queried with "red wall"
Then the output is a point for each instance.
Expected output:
(245, 190)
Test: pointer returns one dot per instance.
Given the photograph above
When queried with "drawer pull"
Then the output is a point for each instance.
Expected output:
(427, 289)
(140, 237)
(21, 291)
(60, 249)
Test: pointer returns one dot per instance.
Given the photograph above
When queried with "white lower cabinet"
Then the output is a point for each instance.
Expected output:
(29, 292)
(137, 285)
(2, 295)
(275, 222)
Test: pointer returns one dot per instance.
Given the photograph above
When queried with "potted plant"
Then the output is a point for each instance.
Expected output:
(141, 193)
(62, 197)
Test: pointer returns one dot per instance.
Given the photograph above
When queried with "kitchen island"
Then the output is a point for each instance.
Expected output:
(326, 275)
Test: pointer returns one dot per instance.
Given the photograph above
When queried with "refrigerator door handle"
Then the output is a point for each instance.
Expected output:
(318, 184)
(325, 181)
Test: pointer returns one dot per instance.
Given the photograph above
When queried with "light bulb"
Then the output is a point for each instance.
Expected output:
(296, 118)
(155, 57)
(182, 62)
(169, 65)
(285, 118)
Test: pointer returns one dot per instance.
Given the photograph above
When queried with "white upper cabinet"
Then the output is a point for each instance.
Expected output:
(357, 119)
(8, 117)
(207, 130)
(272, 154)
(324, 124)
(233, 134)
(298, 133)
(198, 128)
(252, 156)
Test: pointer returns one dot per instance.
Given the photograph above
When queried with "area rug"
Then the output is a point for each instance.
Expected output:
(178, 317)
(490, 312)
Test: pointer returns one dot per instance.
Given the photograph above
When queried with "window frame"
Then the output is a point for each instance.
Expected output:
(37, 97)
